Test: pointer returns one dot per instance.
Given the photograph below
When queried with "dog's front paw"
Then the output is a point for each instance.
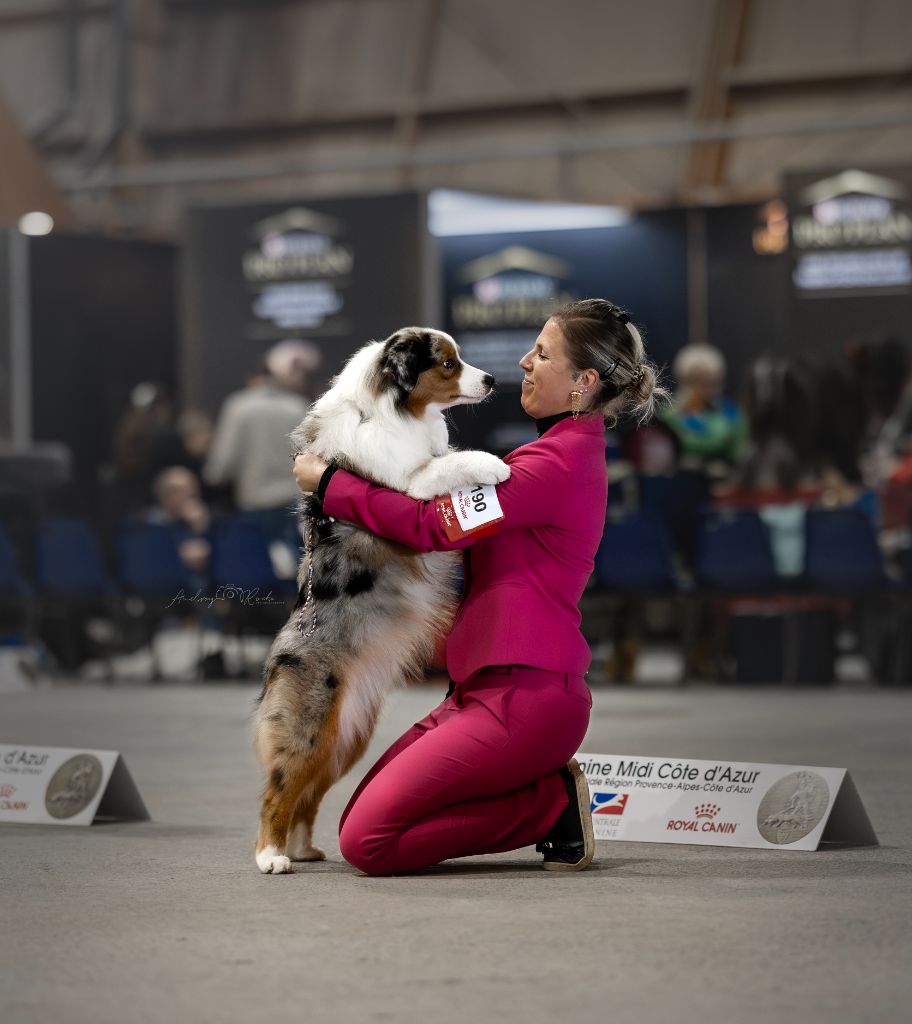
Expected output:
(484, 468)
(271, 862)
(457, 469)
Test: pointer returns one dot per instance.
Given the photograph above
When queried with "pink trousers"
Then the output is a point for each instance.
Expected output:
(479, 774)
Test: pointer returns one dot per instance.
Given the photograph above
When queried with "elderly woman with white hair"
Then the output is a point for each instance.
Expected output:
(710, 427)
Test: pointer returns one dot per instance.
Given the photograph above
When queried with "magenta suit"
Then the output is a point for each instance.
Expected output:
(479, 774)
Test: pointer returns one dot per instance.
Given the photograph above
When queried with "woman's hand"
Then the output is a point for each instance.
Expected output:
(307, 471)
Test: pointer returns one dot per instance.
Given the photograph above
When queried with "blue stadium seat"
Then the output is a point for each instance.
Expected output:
(734, 553)
(240, 558)
(841, 552)
(678, 502)
(12, 583)
(149, 562)
(635, 556)
(68, 559)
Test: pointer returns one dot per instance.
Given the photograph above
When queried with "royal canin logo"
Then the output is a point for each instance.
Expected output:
(704, 820)
(707, 810)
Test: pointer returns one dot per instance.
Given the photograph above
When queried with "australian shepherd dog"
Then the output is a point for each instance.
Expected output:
(369, 610)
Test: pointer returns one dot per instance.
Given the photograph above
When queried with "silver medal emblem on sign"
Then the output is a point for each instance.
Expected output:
(793, 807)
(73, 786)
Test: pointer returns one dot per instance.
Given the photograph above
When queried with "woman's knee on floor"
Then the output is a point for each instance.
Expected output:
(368, 850)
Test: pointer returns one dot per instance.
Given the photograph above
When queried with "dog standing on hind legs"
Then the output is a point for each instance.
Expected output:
(368, 609)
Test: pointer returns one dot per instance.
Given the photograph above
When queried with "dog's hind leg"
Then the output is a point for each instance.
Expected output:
(288, 777)
(296, 729)
(335, 765)
(285, 754)
(300, 837)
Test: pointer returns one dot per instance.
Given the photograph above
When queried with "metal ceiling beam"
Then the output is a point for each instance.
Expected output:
(66, 107)
(427, 19)
(843, 72)
(392, 158)
(710, 100)
(388, 109)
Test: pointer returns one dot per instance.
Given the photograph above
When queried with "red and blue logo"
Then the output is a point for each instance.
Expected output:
(609, 803)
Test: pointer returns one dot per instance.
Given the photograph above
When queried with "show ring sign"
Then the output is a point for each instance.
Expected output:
(59, 786)
(769, 806)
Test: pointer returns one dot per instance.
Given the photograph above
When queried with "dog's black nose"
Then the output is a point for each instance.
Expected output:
(488, 381)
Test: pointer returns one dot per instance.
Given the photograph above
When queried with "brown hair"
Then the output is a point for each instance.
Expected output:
(602, 336)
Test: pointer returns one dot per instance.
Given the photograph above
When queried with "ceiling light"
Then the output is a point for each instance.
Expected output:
(36, 223)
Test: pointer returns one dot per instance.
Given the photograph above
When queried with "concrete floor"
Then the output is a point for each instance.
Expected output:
(171, 921)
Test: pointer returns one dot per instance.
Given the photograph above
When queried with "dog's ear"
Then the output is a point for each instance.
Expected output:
(406, 354)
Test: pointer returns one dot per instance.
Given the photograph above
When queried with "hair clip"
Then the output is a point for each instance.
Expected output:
(618, 313)
(606, 373)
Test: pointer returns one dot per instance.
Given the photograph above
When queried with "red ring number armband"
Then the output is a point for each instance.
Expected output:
(469, 511)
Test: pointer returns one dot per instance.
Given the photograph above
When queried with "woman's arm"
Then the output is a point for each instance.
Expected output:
(388, 513)
(532, 496)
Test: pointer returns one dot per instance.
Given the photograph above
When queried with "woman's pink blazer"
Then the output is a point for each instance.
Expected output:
(524, 581)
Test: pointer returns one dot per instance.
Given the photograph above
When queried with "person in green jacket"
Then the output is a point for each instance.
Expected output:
(710, 427)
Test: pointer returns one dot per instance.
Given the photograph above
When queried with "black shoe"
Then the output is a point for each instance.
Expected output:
(570, 845)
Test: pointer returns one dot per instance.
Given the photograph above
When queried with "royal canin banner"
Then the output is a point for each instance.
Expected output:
(717, 803)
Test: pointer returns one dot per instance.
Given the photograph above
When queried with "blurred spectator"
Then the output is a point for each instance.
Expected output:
(895, 437)
(888, 467)
(840, 418)
(145, 441)
(196, 433)
(780, 403)
(251, 449)
(179, 504)
(880, 369)
(195, 430)
(652, 449)
(709, 426)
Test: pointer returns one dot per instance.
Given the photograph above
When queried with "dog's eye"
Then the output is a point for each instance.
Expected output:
(449, 364)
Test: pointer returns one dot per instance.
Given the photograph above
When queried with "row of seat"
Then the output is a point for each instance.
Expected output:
(637, 558)
(835, 574)
(68, 561)
(734, 554)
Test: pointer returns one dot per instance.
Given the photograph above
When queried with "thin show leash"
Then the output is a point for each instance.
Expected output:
(308, 531)
(308, 595)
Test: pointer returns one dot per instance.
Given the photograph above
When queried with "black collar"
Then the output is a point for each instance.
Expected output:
(547, 422)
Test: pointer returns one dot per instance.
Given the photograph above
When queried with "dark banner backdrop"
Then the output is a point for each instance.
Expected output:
(499, 290)
(850, 256)
(337, 272)
(747, 284)
(102, 321)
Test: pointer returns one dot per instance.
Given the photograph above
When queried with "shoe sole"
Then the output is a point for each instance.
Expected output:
(585, 809)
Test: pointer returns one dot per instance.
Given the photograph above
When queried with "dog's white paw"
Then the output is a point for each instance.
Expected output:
(458, 469)
(484, 468)
(271, 862)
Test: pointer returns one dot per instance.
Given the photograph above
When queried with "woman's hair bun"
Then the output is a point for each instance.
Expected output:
(601, 335)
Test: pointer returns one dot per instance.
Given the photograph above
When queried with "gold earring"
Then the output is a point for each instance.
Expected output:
(575, 398)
